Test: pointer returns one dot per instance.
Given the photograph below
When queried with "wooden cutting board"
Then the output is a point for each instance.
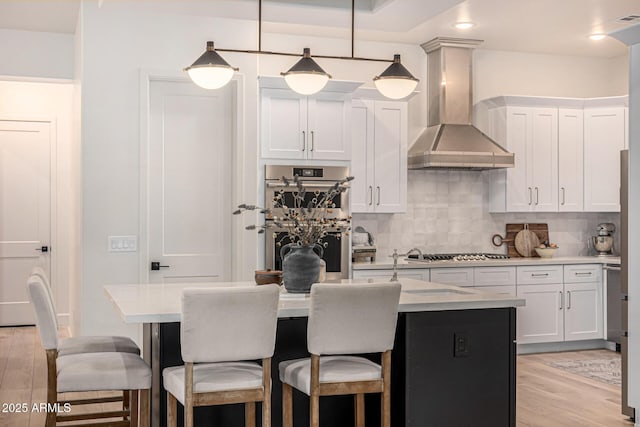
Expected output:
(541, 230)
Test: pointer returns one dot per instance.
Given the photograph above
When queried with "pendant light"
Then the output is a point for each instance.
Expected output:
(306, 77)
(210, 71)
(396, 81)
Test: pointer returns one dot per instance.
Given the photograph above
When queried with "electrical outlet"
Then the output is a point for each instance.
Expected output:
(122, 243)
(460, 344)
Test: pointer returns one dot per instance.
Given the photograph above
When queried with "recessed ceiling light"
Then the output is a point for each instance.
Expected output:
(597, 36)
(464, 25)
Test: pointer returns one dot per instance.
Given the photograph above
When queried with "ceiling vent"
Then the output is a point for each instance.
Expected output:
(629, 19)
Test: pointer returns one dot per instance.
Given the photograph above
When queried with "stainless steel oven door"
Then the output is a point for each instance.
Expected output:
(313, 189)
(336, 255)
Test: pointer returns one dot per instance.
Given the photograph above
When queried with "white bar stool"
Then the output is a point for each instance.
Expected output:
(96, 371)
(223, 330)
(345, 319)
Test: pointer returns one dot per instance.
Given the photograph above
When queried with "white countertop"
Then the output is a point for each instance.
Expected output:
(387, 263)
(160, 303)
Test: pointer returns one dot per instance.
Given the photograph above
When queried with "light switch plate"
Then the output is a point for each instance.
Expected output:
(122, 243)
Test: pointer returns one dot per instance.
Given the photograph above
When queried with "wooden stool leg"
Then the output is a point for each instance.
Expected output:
(143, 413)
(134, 415)
(250, 414)
(385, 404)
(188, 394)
(287, 406)
(359, 407)
(172, 411)
(125, 402)
(314, 398)
(52, 386)
(266, 384)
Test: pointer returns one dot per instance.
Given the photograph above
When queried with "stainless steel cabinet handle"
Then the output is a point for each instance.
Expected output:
(539, 274)
(588, 273)
(529, 195)
(370, 195)
(568, 300)
(537, 194)
(378, 203)
(312, 138)
(561, 298)
(563, 198)
(304, 140)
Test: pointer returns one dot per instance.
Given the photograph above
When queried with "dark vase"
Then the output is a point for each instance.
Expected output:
(300, 267)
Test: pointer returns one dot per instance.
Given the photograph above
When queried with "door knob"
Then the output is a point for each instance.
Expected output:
(155, 266)
(43, 249)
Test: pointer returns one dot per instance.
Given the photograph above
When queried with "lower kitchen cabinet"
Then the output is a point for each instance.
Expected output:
(542, 318)
(500, 290)
(583, 314)
(418, 274)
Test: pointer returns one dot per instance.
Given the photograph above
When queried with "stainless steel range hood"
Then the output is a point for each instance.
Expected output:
(450, 140)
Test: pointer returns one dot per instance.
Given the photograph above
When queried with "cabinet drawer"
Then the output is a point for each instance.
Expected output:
(418, 274)
(531, 275)
(494, 276)
(453, 276)
(500, 290)
(582, 273)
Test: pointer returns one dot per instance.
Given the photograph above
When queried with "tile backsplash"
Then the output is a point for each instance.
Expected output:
(448, 211)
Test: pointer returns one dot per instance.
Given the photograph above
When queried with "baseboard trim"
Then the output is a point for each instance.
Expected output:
(554, 347)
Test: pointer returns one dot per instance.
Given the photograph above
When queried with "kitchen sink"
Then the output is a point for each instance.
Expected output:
(436, 292)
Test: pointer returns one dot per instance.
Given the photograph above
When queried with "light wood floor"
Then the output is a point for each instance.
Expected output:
(546, 396)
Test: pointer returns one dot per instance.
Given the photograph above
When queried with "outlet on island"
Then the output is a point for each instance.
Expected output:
(461, 344)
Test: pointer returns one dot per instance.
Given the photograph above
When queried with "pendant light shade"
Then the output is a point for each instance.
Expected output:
(306, 77)
(396, 81)
(210, 71)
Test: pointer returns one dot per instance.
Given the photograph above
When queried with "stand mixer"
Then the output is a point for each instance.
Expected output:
(603, 242)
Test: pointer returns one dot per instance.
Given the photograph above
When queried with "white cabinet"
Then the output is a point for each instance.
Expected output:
(604, 137)
(557, 311)
(532, 135)
(413, 273)
(458, 276)
(570, 159)
(379, 156)
(294, 126)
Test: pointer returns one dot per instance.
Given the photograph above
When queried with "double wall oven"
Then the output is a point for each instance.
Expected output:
(316, 179)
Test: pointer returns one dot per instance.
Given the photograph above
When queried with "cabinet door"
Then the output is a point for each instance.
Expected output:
(500, 290)
(459, 276)
(407, 273)
(390, 151)
(283, 124)
(570, 160)
(519, 193)
(329, 134)
(604, 137)
(583, 317)
(541, 319)
(362, 128)
(543, 159)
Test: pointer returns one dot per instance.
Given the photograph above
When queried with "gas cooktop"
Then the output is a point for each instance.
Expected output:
(457, 257)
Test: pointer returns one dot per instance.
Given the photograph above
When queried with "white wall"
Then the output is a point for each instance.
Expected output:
(36, 54)
(52, 100)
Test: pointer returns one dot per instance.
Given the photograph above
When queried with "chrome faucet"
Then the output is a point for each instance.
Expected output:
(395, 257)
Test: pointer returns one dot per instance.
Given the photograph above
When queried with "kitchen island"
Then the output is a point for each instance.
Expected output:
(453, 359)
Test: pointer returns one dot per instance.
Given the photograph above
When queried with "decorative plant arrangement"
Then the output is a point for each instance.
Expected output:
(305, 225)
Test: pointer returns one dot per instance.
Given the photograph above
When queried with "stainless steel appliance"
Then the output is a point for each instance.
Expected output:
(457, 257)
(614, 296)
(603, 241)
(316, 179)
(624, 273)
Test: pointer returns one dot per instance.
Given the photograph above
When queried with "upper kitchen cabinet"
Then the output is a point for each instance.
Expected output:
(604, 137)
(379, 156)
(532, 135)
(570, 159)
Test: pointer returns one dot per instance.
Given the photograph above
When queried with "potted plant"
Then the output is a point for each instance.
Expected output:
(306, 225)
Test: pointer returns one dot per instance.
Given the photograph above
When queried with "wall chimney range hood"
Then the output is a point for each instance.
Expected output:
(450, 140)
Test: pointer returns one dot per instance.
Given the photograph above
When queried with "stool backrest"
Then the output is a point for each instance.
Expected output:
(45, 314)
(39, 271)
(229, 323)
(352, 318)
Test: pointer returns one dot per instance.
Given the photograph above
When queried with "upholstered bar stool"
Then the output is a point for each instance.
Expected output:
(86, 344)
(345, 319)
(97, 371)
(222, 332)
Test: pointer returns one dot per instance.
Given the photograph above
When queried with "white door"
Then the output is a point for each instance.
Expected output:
(362, 156)
(25, 200)
(583, 317)
(390, 164)
(570, 160)
(189, 188)
(283, 124)
(542, 318)
(519, 192)
(543, 157)
(329, 132)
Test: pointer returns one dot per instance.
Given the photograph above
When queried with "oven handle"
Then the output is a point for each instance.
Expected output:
(310, 184)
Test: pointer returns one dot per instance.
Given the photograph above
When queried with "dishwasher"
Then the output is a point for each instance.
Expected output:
(614, 296)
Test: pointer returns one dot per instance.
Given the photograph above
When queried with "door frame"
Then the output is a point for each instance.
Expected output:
(239, 178)
(63, 318)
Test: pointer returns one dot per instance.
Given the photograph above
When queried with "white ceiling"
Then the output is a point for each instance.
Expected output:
(544, 26)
